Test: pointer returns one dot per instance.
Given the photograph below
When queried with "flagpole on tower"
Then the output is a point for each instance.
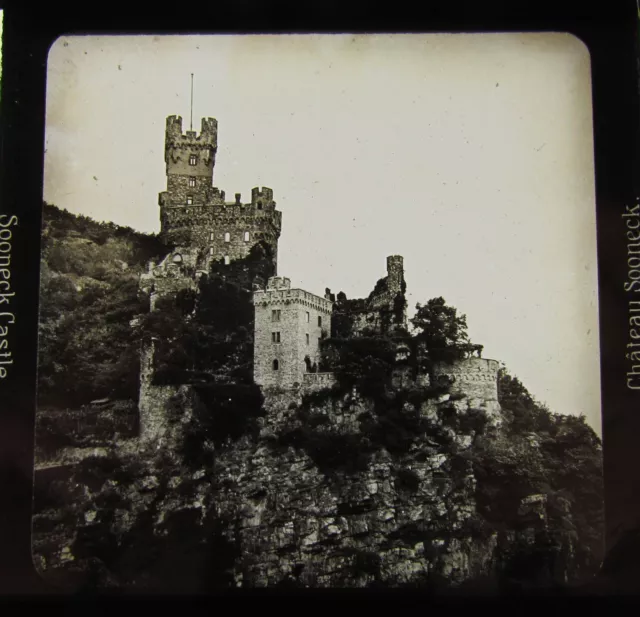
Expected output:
(191, 121)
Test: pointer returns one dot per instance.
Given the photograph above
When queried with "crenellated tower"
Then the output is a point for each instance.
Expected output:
(195, 216)
(190, 159)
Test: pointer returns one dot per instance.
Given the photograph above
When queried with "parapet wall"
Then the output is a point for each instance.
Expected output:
(289, 296)
(474, 377)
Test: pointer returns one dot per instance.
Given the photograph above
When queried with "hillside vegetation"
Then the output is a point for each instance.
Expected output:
(136, 522)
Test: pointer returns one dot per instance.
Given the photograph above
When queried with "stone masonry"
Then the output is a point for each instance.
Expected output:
(194, 214)
(369, 314)
(289, 324)
(198, 226)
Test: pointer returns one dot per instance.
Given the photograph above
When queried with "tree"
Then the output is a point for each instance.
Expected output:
(442, 331)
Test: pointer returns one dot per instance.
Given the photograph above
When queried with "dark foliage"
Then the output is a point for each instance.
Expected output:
(88, 295)
(331, 452)
(557, 457)
(217, 338)
(364, 362)
(222, 413)
(442, 331)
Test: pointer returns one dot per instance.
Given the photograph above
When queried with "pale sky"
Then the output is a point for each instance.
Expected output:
(471, 155)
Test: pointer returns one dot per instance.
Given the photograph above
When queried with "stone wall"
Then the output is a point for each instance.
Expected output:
(474, 378)
(297, 331)
(378, 313)
(206, 226)
(155, 403)
(312, 382)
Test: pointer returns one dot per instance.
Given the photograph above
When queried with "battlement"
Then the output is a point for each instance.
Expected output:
(208, 132)
(284, 295)
(262, 197)
(278, 282)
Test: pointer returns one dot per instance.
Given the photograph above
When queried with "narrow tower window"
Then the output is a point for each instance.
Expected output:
(276, 365)
(259, 205)
(189, 200)
(246, 236)
(308, 317)
(275, 337)
(192, 182)
(226, 260)
(307, 339)
(193, 159)
(319, 321)
(227, 237)
(211, 236)
(211, 251)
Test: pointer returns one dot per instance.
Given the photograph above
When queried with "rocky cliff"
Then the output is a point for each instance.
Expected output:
(330, 489)
(384, 479)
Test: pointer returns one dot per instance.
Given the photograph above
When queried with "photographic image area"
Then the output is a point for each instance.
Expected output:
(318, 311)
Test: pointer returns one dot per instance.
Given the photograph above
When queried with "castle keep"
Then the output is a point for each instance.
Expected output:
(196, 221)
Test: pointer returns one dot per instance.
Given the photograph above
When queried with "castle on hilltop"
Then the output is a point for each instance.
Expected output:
(199, 227)
(196, 221)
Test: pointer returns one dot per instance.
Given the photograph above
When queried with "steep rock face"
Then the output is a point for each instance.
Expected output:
(333, 490)
(361, 516)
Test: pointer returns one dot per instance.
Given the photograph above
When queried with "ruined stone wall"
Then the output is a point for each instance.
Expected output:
(155, 403)
(299, 334)
(378, 313)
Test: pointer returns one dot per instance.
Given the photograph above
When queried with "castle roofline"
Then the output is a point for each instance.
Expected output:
(281, 290)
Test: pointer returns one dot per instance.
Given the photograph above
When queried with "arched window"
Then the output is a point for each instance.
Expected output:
(227, 237)
(246, 236)
(276, 365)
(259, 205)
(177, 259)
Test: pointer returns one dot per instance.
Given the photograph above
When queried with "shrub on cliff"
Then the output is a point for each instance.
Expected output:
(557, 457)
(213, 335)
(222, 413)
(442, 331)
(363, 362)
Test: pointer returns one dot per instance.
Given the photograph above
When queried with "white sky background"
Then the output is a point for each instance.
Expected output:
(470, 155)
